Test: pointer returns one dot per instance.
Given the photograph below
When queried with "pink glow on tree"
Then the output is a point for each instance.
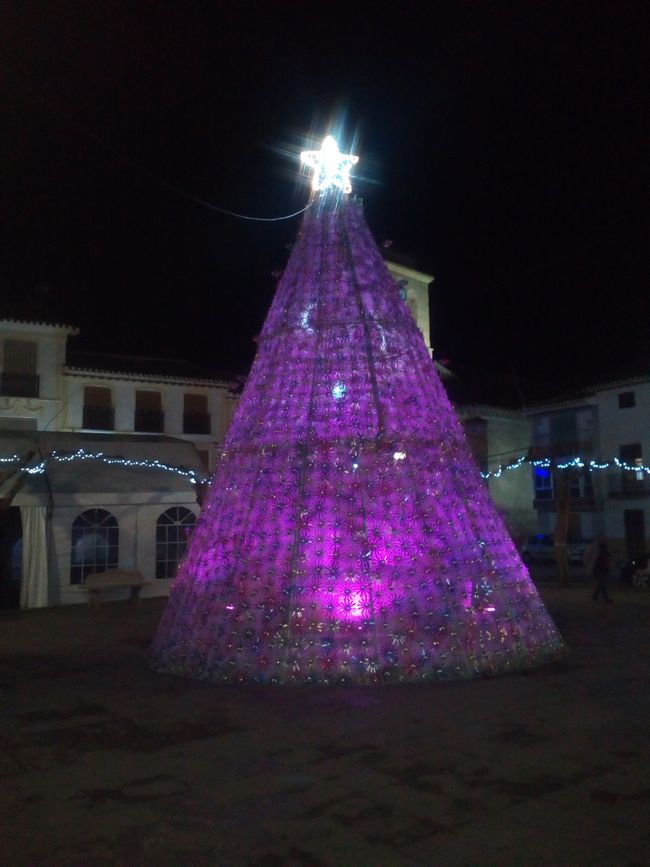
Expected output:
(347, 535)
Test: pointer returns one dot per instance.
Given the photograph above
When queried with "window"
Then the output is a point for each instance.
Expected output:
(631, 456)
(634, 520)
(626, 400)
(580, 483)
(564, 433)
(543, 481)
(173, 529)
(196, 418)
(94, 544)
(98, 408)
(585, 421)
(543, 431)
(19, 377)
(149, 416)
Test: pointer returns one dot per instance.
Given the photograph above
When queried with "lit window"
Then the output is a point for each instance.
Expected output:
(543, 483)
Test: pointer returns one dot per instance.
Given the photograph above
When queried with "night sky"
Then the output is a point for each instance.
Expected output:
(503, 146)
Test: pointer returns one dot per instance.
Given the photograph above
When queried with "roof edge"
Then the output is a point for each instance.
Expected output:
(72, 370)
(55, 326)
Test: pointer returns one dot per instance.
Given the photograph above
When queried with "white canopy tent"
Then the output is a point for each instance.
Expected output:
(68, 485)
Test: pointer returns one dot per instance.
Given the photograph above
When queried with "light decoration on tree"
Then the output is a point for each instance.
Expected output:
(331, 167)
(347, 536)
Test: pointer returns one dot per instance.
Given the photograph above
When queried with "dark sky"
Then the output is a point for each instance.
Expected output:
(502, 145)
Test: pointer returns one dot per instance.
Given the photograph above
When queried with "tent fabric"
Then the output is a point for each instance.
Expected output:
(35, 589)
(97, 477)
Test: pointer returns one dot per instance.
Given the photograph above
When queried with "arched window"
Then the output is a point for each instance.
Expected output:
(173, 530)
(94, 544)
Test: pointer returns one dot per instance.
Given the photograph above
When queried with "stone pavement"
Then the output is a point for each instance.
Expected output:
(105, 763)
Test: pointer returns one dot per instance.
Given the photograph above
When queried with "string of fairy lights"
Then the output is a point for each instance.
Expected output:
(570, 463)
(197, 478)
(39, 468)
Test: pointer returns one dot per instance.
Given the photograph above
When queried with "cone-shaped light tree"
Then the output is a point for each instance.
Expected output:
(347, 535)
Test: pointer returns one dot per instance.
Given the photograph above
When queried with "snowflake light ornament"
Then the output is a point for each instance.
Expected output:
(331, 167)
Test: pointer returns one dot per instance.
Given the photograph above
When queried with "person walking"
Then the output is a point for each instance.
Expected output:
(601, 571)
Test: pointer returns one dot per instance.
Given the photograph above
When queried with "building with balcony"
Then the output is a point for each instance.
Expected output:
(82, 516)
(46, 386)
(603, 423)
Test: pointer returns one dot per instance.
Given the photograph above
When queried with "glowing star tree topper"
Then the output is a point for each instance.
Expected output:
(331, 167)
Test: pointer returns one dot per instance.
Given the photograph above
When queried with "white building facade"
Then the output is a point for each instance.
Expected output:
(498, 436)
(39, 391)
(83, 516)
(605, 423)
(414, 286)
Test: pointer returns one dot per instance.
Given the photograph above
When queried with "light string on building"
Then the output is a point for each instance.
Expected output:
(192, 476)
(569, 464)
(197, 478)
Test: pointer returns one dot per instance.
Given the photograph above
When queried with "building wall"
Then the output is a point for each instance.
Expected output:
(508, 439)
(59, 405)
(620, 427)
(623, 426)
(415, 288)
(42, 412)
(610, 428)
(497, 438)
(221, 405)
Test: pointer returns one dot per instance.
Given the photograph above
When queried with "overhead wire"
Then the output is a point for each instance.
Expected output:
(69, 117)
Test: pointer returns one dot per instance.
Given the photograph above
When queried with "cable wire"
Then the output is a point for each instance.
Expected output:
(67, 115)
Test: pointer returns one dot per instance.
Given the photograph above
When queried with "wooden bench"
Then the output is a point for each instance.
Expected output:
(112, 580)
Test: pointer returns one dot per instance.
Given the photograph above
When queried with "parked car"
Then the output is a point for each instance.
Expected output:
(540, 548)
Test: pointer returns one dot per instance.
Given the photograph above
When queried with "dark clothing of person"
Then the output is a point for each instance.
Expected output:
(601, 572)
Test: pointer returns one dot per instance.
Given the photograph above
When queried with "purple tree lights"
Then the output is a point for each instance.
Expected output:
(347, 536)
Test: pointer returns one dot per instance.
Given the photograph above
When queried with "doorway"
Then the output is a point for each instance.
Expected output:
(11, 557)
(635, 533)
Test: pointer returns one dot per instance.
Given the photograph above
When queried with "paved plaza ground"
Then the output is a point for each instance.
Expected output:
(105, 763)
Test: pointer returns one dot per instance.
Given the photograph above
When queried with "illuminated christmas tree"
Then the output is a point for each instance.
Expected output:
(348, 535)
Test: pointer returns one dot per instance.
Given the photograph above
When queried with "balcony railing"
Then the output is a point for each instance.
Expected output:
(19, 384)
(98, 418)
(196, 422)
(628, 486)
(578, 504)
(149, 421)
